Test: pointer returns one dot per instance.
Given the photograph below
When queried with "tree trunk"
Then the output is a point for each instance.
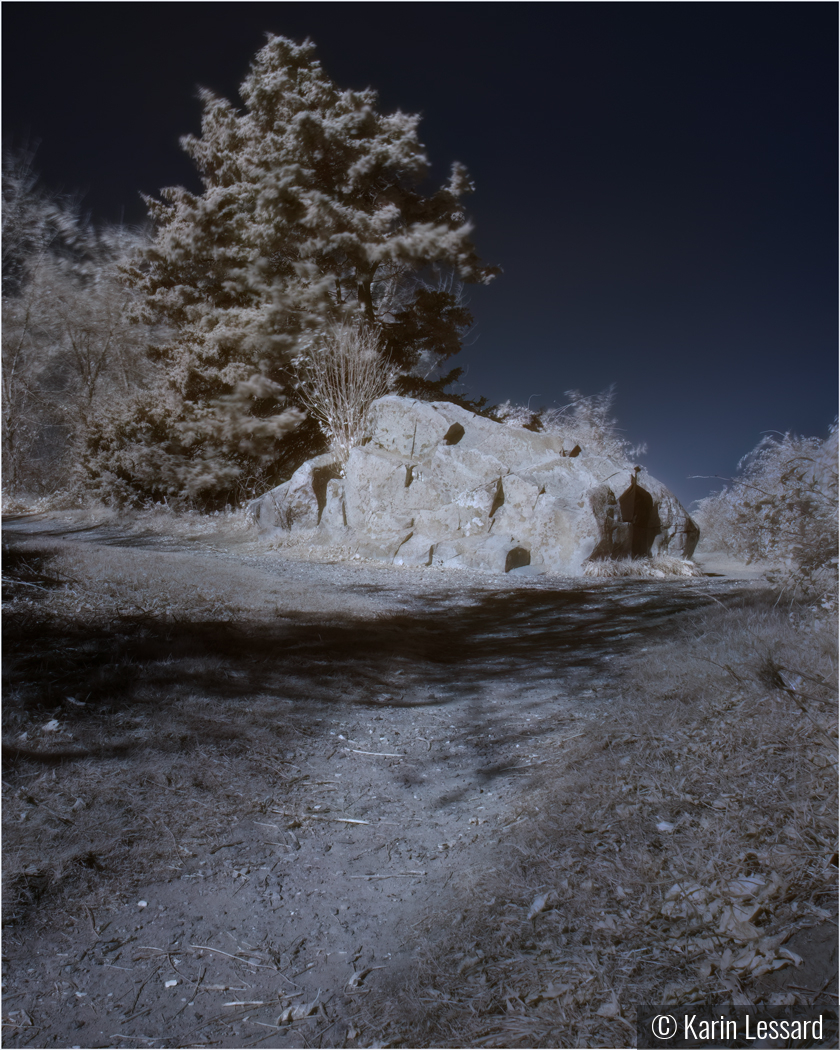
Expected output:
(363, 290)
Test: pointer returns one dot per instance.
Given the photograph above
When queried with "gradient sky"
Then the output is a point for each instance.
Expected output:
(658, 180)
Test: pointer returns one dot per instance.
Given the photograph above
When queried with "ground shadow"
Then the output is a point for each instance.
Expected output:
(432, 656)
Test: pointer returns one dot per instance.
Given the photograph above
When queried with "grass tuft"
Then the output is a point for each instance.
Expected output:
(656, 568)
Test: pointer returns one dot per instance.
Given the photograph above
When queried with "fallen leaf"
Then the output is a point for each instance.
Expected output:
(538, 904)
(748, 887)
(297, 1013)
(610, 1009)
(608, 922)
(360, 975)
(553, 991)
(739, 930)
(469, 962)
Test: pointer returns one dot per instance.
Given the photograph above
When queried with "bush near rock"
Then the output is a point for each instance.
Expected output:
(434, 484)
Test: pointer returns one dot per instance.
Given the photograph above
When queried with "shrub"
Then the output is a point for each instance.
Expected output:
(782, 508)
(340, 373)
(587, 420)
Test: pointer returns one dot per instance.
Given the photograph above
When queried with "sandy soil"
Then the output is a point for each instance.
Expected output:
(417, 710)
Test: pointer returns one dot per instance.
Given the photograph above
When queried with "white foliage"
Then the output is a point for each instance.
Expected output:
(69, 347)
(309, 210)
(782, 509)
(586, 420)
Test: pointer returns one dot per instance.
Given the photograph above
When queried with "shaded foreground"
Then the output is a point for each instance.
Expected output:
(340, 806)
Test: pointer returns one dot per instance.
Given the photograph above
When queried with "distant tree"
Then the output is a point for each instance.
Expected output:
(69, 348)
(311, 216)
(35, 221)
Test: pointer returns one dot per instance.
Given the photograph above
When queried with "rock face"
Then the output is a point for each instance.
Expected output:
(437, 485)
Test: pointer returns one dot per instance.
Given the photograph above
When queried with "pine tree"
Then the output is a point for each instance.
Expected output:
(311, 216)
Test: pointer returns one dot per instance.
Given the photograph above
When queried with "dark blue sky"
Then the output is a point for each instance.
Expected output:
(658, 181)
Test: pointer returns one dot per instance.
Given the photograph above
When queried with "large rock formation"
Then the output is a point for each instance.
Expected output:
(437, 485)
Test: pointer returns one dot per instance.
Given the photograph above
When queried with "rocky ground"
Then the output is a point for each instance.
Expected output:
(294, 801)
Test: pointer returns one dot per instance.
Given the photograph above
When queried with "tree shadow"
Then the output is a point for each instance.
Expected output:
(434, 656)
(289, 671)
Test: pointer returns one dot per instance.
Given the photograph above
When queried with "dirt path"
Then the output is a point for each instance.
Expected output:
(416, 711)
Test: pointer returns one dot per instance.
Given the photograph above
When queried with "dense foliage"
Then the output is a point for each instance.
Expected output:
(311, 216)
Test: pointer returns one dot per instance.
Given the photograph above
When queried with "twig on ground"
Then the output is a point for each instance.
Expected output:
(378, 754)
(139, 992)
(218, 951)
(226, 845)
(395, 875)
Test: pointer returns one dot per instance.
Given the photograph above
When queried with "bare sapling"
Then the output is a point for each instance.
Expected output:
(340, 373)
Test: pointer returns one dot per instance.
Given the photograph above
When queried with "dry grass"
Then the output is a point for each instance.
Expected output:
(157, 518)
(230, 525)
(112, 790)
(656, 568)
(674, 851)
(124, 746)
(144, 790)
(98, 584)
(308, 545)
